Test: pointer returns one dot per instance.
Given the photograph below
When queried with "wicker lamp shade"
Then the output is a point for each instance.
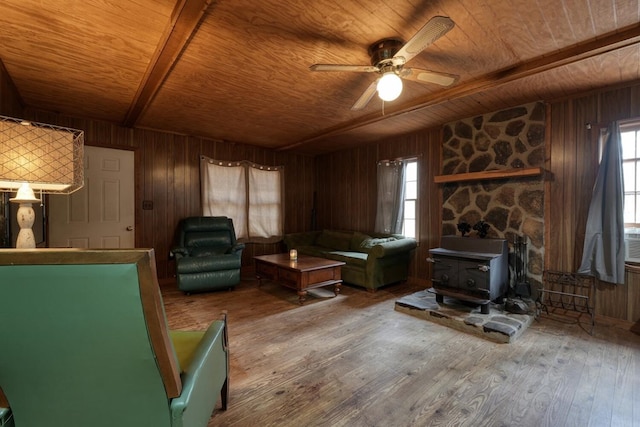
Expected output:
(49, 158)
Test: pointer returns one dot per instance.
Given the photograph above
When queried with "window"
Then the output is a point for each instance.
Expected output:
(397, 203)
(409, 224)
(251, 195)
(630, 142)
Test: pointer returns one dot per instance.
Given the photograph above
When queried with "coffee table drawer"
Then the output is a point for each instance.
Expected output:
(266, 270)
(324, 275)
(287, 275)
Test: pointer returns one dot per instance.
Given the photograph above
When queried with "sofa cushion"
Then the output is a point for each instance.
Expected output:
(185, 344)
(334, 240)
(351, 258)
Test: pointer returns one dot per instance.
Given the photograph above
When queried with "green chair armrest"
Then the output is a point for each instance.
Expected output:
(203, 377)
(179, 251)
(238, 247)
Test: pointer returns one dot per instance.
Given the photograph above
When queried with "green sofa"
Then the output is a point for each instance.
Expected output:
(372, 260)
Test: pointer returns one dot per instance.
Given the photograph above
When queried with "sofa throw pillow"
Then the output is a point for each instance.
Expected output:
(334, 240)
(371, 242)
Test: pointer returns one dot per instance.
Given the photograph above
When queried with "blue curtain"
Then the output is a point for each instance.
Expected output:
(603, 253)
(390, 203)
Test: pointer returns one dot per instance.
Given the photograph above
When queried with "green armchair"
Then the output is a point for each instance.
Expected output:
(85, 342)
(208, 257)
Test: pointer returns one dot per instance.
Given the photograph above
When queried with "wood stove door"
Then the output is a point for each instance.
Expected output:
(445, 272)
(475, 277)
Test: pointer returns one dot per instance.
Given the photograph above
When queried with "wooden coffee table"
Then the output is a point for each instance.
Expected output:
(306, 273)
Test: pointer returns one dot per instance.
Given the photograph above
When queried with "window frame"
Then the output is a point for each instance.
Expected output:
(416, 200)
(628, 127)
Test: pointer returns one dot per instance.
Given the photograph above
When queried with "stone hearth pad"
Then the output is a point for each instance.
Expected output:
(498, 326)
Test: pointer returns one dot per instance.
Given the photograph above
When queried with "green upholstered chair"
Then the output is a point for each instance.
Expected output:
(208, 257)
(85, 343)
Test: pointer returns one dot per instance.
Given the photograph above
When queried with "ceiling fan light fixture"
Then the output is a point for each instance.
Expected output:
(389, 86)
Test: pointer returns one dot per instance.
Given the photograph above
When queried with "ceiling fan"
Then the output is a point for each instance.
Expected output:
(388, 57)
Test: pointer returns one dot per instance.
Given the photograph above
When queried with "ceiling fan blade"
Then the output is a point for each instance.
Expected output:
(432, 31)
(338, 67)
(365, 97)
(426, 76)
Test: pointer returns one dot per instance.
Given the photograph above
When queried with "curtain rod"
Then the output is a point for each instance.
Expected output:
(416, 156)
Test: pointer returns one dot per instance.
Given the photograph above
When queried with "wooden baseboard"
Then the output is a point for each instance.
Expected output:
(618, 323)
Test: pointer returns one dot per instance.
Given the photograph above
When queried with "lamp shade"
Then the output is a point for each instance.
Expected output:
(389, 86)
(49, 158)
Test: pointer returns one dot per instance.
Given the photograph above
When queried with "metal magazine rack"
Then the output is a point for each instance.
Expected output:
(568, 291)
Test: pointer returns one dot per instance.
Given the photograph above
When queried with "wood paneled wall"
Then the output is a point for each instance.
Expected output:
(167, 173)
(572, 166)
(347, 186)
(10, 102)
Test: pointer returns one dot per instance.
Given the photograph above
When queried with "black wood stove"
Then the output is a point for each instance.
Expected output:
(470, 269)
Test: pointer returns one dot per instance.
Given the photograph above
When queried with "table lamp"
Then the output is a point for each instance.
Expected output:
(42, 157)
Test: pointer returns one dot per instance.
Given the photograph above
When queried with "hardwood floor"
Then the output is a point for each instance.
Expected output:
(352, 360)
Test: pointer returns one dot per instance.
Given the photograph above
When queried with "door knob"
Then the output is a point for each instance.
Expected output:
(130, 228)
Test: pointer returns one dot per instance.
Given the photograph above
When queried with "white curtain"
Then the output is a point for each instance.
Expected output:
(603, 253)
(224, 192)
(265, 202)
(251, 195)
(390, 202)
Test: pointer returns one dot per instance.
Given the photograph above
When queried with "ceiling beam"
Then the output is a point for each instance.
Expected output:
(184, 20)
(598, 46)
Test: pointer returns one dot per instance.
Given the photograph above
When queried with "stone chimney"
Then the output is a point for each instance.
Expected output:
(508, 139)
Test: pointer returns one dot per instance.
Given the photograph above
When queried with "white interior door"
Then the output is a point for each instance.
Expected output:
(100, 214)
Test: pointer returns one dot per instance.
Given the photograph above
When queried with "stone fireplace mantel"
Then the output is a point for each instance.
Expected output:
(490, 174)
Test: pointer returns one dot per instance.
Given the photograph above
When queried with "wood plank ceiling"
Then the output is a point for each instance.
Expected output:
(239, 70)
